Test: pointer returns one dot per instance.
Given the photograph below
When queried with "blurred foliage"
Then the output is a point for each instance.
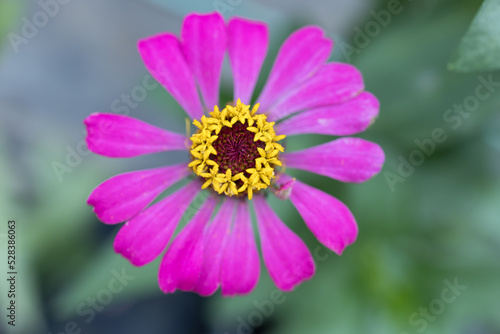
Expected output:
(480, 47)
(441, 223)
(9, 10)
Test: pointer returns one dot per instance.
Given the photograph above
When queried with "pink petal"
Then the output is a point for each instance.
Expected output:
(119, 136)
(328, 218)
(164, 59)
(216, 237)
(299, 58)
(145, 236)
(334, 83)
(124, 196)
(240, 269)
(204, 45)
(247, 45)
(287, 258)
(345, 159)
(181, 265)
(344, 119)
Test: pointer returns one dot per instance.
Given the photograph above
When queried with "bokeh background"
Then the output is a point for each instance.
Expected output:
(422, 228)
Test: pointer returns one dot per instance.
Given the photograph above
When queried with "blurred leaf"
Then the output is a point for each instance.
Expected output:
(98, 275)
(28, 299)
(480, 47)
(417, 89)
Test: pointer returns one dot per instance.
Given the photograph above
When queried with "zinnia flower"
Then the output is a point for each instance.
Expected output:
(237, 154)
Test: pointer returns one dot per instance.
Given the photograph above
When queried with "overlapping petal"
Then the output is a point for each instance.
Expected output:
(181, 265)
(164, 58)
(215, 240)
(124, 196)
(119, 136)
(329, 219)
(204, 44)
(344, 159)
(344, 119)
(299, 58)
(333, 83)
(241, 259)
(247, 46)
(145, 236)
(287, 258)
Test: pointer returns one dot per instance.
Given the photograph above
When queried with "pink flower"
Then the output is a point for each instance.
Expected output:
(235, 154)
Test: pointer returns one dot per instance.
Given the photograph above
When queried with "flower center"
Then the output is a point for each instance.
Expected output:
(235, 150)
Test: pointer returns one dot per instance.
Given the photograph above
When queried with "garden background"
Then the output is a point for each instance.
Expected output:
(427, 258)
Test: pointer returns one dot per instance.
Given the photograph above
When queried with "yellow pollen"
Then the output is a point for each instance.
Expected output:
(253, 174)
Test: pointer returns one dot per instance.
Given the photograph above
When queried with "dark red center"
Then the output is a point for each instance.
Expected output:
(236, 149)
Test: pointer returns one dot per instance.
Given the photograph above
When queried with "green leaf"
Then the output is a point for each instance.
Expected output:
(480, 47)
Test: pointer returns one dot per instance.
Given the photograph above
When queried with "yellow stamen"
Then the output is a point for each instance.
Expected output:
(203, 151)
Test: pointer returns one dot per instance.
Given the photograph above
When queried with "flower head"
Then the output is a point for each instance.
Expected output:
(235, 150)
(237, 154)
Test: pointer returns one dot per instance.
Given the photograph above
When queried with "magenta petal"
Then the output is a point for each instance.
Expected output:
(344, 119)
(181, 265)
(215, 240)
(247, 45)
(344, 159)
(240, 267)
(287, 258)
(123, 196)
(145, 236)
(299, 58)
(328, 218)
(164, 59)
(119, 136)
(204, 44)
(333, 83)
